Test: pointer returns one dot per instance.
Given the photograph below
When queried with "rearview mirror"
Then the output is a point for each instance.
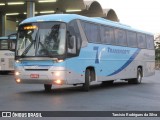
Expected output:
(71, 42)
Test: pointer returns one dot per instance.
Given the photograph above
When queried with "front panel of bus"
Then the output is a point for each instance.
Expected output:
(40, 53)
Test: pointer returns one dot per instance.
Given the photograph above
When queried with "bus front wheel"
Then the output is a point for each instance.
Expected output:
(87, 80)
(47, 87)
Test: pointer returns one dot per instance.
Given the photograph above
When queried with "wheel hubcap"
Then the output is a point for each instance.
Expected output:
(139, 77)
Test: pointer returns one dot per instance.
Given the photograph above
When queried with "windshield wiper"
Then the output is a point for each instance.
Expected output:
(48, 53)
(27, 49)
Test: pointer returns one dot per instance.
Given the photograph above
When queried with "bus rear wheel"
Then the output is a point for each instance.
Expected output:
(137, 80)
(47, 87)
(87, 80)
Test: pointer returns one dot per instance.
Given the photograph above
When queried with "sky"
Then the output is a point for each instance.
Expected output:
(140, 14)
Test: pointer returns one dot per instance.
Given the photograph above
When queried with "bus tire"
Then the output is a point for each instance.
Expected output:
(47, 87)
(137, 80)
(87, 80)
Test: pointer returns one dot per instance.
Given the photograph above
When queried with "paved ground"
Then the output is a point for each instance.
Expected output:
(118, 97)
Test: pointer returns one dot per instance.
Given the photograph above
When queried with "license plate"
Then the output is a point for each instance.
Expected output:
(34, 75)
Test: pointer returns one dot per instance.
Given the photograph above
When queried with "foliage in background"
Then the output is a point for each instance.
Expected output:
(157, 51)
(157, 47)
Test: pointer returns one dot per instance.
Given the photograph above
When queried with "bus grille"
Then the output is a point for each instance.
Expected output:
(36, 69)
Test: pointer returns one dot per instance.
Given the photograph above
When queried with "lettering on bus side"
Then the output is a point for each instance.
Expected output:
(118, 51)
(109, 50)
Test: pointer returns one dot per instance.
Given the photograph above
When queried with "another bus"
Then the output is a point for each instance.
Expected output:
(7, 47)
(71, 49)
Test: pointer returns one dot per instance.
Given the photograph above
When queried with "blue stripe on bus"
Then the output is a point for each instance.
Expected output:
(126, 64)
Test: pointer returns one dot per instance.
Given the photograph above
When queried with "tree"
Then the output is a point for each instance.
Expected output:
(157, 50)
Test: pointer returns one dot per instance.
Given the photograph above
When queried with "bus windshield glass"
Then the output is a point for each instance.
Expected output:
(43, 39)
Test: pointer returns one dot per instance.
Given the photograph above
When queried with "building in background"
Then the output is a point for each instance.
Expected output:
(12, 12)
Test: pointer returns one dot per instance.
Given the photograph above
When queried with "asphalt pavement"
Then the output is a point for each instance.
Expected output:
(120, 96)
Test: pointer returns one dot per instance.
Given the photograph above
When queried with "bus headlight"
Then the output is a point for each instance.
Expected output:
(17, 73)
(17, 61)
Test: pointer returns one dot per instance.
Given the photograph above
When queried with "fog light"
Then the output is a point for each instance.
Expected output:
(17, 73)
(18, 80)
(59, 82)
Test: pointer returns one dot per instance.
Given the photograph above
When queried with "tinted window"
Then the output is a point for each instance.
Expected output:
(132, 39)
(107, 35)
(91, 31)
(12, 44)
(141, 40)
(120, 37)
(3, 44)
(150, 42)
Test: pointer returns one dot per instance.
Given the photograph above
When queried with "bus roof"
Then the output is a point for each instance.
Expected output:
(6, 38)
(69, 17)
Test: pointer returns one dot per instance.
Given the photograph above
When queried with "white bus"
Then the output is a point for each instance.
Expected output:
(7, 48)
(73, 49)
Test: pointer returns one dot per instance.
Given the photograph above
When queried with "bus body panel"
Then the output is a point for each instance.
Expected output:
(104, 60)
(110, 62)
(6, 60)
(47, 71)
(110, 65)
(6, 55)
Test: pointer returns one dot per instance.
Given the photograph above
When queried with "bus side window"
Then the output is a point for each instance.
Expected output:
(4, 45)
(92, 32)
(120, 37)
(107, 35)
(132, 39)
(141, 40)
(74, 38)
(12, 45)
(150, 42)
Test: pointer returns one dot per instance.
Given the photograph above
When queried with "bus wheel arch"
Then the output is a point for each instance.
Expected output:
(93, 73)
(90, 76)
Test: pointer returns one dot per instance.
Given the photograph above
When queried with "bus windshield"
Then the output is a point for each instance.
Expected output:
(44, 39)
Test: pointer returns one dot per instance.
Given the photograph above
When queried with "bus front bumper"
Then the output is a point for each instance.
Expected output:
(41, 77)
